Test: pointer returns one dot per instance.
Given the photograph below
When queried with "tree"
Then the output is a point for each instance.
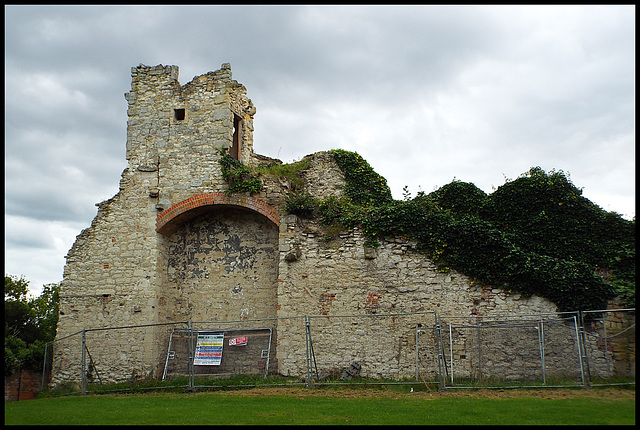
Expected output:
(16, 308)
(30, 322)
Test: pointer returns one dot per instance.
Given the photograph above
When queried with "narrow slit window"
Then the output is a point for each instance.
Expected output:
(179, 114)
(237, 137)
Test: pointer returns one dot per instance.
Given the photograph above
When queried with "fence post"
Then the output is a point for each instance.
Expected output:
(479, 353)
(583, 345)
(307, 324)
(451, 352)
(266, 365)
(166, 361)
(579, 344)
(83, 373)
(191, 384)
(440, 347)
(606, 343)
(44, 365)
(541, 347)
(417, 349)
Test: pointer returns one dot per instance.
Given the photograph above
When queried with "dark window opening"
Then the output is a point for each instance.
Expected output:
(179, 114)
(237, 137)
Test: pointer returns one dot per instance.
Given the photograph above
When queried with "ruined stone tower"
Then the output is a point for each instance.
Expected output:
(164, 246)
(173, 245)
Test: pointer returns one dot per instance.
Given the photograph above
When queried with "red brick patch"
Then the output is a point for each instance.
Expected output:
(22, 385)
(325, 302)
(371, 303)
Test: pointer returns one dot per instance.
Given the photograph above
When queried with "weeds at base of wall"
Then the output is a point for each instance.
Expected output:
(549, 383)
(177, 384)
(244, 382)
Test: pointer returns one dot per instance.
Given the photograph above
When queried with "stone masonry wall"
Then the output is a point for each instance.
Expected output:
(220, 266)
(112, 276)
(339, 276)
(183, 153)
(173, 247)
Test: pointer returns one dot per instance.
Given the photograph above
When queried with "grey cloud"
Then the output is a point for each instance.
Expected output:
(424, 93)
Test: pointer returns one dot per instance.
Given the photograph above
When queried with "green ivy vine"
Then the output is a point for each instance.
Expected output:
(239, 176)
(534, 235)
(363, 185)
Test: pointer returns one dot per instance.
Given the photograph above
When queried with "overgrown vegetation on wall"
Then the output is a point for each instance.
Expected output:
(239, 177)
(536, 234)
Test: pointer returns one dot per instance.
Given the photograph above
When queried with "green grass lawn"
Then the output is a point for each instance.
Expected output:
(297, 406)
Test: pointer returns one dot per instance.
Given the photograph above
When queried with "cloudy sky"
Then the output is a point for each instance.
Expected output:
(425, 94)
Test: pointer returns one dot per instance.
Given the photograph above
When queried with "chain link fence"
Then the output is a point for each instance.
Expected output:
(610, 346)
(210, 349)
(400, 346)
(566, 349)
(535, 349)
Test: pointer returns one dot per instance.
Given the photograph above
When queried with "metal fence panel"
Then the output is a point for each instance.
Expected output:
(393, 346)
(506, 350)
(122, 354)
(575, 348)
(609, 338)
(242, 351)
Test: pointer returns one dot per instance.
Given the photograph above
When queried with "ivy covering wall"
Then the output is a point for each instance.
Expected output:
(536, 234)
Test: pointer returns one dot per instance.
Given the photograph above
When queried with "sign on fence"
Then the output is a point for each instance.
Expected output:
(209, 349)
(238, 341)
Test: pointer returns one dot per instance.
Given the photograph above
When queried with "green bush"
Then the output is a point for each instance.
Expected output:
(301, 203)
(534, 235)
(30, 322)
(293, 172)
(363, 185)
(461, 198)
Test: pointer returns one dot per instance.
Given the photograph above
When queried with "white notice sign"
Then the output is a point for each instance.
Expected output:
(209, 349)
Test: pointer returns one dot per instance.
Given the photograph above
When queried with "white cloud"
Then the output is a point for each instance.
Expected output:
(39, 246)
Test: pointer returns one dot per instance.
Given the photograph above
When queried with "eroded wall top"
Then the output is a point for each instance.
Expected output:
(175, 132)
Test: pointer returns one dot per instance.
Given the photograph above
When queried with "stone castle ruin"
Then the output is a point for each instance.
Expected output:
(174, 245)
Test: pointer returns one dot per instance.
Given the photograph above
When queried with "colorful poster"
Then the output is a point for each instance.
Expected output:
(209, 349)
(238, 341)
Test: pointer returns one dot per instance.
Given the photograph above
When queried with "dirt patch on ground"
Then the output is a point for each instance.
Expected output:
(543, 393)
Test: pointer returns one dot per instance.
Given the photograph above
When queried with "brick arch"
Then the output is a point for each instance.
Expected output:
(168, 220)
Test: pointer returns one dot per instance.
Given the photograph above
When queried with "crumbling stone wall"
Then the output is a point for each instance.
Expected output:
(340, 276)
(221, 265)
(114, 273)
(174, 246)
